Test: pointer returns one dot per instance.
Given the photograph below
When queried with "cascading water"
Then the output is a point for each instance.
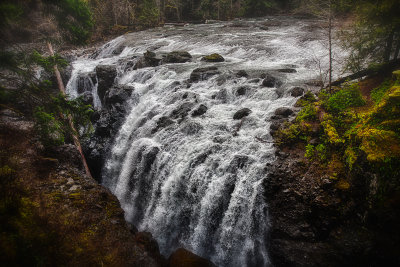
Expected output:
(196, 181)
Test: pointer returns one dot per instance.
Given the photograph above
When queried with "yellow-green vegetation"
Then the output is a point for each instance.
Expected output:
(346, 129)
(213, 58)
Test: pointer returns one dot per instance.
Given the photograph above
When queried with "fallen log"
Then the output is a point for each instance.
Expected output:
(385, 67)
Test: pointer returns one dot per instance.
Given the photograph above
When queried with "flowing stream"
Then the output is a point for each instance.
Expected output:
(197, 182)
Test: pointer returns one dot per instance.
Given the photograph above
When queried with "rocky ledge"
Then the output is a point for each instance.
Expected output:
(52, 214)
(317, 221)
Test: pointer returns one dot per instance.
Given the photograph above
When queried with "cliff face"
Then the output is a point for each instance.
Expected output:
(329, 207)
(52, 214)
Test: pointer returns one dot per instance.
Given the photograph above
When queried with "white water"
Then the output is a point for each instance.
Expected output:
(194, 184)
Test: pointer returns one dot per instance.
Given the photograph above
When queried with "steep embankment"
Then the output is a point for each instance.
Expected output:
(52, 214)
(333, 192)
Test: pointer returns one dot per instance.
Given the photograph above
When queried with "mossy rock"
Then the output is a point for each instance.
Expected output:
(396, 74)
(213, 58)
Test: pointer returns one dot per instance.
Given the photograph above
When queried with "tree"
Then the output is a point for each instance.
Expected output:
(325, 10)
(73, 19)
(374, 37)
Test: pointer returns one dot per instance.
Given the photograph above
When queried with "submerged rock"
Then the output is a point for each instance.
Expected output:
(200, 110)
(242, 90)
(201, 74)
(244, 112)
(213, 58)
(242, 73)
(287, 70)
(270, 81)
(162, 123)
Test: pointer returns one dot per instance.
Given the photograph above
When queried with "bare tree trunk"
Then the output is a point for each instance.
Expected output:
(70, 121)
(218, 9)
(388, 49)
(330, 46)
(396, 52)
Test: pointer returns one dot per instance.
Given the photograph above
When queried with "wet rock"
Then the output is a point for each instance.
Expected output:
(87, 98)
(200, 110)
(275, 126)
(191, 128)
(297, 91)
(222, 95)
(242, 73)
(213, 58)
(85, 82)
(162, 123)
(105, 75)
(270, 81)
(221, 80)
(284, 112)
(242, 90)
(182, 111)
(277, 117)
(287, 70)
(149, 59)
(177, 57)
(201, 74)
(244, 112)
(238, 162)
(118, 95)
(118, 50)
(184, 258)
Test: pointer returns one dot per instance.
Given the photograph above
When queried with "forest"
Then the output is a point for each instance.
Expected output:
(199, 132)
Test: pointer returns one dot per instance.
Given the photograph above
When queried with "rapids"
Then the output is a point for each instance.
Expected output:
(195, 182)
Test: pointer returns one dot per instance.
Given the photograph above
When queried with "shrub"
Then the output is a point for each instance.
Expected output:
(309, 151)
(349, 96)
(308, 113)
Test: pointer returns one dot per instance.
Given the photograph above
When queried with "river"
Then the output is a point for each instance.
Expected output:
(197, 181)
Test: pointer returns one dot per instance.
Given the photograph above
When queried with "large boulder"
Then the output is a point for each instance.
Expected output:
(213, 58)
(242, 90)
(297, 91)
(105, 76)
(184, 258)
(117, 94)
(201, 74)
(270, 81)
(241, 113)
(177, 57)
(149, 59)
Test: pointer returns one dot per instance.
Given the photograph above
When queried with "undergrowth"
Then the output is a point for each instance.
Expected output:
(340, 134)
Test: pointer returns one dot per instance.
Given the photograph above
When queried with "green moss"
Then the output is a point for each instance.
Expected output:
(213, 58)
(378, 93)
(349, 96)
(306, 99)
(308, 113)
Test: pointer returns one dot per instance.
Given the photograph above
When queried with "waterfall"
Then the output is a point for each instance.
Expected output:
(197, 181)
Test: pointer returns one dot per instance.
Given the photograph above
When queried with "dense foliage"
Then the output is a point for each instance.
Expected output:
(348, 132)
